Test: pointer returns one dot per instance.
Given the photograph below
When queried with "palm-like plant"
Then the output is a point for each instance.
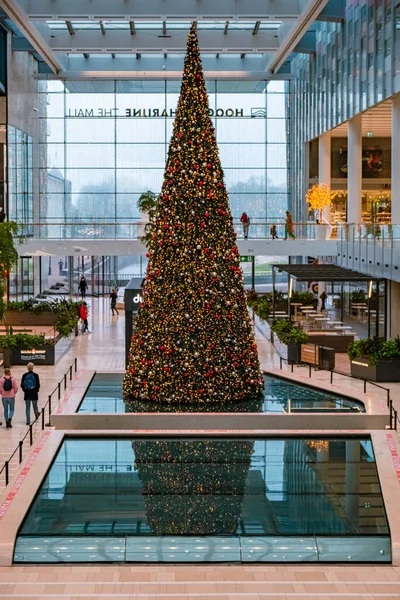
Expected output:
(147, 203)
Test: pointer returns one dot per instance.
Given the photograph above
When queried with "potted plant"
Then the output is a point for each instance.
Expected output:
(290, 335)
(375, 360)
(319, 197)
(147, 205)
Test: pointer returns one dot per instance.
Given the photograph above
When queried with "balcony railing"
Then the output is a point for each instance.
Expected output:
(82, 230)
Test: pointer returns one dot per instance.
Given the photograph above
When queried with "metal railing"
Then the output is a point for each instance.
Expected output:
(39, 422)
(97, 229)
(394, 420)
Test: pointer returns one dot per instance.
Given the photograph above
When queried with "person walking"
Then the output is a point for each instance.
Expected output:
(83, 315)
(60, 267)
(272, 231)
(289, 226)
(8, 389)
(323, 297)
(113, 298)
(30, 384)
(83, 286)
(245, 220)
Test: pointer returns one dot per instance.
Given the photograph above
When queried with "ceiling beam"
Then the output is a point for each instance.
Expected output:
(121, 41)
(293, 36)
(164, 9)
(19, 17)
(251, 67)
(70, 28)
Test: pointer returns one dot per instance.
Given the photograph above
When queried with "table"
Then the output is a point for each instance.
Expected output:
(295, 304)
(343, 328)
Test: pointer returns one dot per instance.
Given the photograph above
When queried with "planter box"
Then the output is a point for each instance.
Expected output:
(48, 354)
(294, 353)
(385, 370)
(26, 318)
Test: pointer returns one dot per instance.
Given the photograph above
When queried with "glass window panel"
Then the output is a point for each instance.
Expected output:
(277, 205)
(139, 180)
(276, 106)
(50, 86)
(90, 130)
(141, 155)
(89, 105)
(277, 180)
(147, 103)
(140, 130)
(277, 131)
(242, 155)
(255, 205)
(51, 106)
(127, 206)
(85, 156)
(245, 130)
(277, 156)
(52, 155)
(246, 180)
(91, 180)
(52, 130)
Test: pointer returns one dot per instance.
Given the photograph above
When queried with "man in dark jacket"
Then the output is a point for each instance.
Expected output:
(30, 383)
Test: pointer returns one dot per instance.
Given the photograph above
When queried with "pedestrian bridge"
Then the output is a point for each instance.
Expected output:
(122, 239)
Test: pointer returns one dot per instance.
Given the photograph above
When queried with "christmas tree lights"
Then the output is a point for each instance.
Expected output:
(193, 339)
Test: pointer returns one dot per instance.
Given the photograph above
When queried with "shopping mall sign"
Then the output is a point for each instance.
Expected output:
(157, 112)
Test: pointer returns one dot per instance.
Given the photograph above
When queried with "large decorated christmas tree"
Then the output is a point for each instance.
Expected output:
(193, 339)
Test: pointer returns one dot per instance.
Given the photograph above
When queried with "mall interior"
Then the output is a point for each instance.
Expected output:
(201, 258)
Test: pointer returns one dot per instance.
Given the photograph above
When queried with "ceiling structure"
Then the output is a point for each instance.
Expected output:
(86, 39)
(376, 122)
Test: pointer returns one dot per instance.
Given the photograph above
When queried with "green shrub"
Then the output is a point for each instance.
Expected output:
(65, 311)
(24, 340)
(287, 333)
(306, 298)
(375, 350)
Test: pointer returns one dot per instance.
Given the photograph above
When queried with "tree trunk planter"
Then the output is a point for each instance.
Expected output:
(26, 318)
(294, 353)
(385, 370)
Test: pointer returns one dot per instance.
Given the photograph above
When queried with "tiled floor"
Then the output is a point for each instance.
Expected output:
(104, 349)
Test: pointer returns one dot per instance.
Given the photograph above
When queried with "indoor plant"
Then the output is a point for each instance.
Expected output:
(147, 205)
(375, 360)
(290, 335)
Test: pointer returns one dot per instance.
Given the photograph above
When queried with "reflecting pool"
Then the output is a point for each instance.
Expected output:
(104, 395)
(216, 500)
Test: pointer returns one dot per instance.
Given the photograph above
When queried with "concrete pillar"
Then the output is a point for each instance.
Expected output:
(324, 167)
(396, 159)
(354, 163)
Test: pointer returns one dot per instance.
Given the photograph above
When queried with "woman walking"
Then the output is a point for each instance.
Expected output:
(83, 315)
(30, 384)
(245, 220)
(113, 298)
(8, 389)
(289, 226)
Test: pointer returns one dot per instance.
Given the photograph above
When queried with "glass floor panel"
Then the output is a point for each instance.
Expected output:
(216, 500)
(104, 395)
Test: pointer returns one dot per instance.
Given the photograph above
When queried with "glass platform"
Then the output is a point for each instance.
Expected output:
(314, 499)
(104, 395)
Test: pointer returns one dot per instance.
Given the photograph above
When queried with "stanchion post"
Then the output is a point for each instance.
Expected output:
(292, 365)
(391, 413)
(70, 373)
(20, 450)
(59, 390)
(42, 419)
(65, 381)
(388, 396)
(30, 435)
(331, 376)
(395, 419)
(76, 364)
(309, 371)
(7, 474)
(280, 363)
(365, 386)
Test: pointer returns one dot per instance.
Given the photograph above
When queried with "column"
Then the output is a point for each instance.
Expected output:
(354, 164)
(396, 159)
(324, 167)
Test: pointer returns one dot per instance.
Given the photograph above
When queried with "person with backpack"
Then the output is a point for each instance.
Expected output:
(8, 389)
(30, 383)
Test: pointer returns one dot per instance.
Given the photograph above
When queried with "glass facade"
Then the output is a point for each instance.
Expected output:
(104, 143)
(356, 65)
(20, 176)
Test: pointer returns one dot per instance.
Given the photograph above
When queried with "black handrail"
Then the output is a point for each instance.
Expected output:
(393, 415)
(41, 416)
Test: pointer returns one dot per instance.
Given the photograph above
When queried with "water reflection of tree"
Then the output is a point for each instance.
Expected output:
(193, 486)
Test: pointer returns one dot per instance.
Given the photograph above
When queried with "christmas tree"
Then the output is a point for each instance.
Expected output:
(193, 339)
